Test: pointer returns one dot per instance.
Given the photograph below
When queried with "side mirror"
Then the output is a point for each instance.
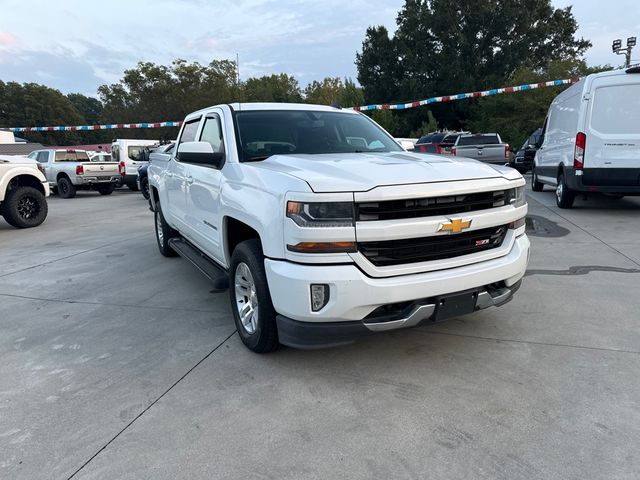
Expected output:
(407, 145)
(531, 147)
(200, 153)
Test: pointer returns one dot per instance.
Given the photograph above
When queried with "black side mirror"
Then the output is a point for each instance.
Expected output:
(200, 153)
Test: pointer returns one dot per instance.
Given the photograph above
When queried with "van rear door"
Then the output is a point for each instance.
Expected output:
(613, 131)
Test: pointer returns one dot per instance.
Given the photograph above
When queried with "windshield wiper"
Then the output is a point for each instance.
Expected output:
(257, 158)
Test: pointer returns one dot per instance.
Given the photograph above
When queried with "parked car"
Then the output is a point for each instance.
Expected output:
(130, 155)
(23, 192)
(100, 157)
(591, 138)
(70, 170)
(163, 151)
(322, 239)
(438, 142)
(523, 159)
(485, 147)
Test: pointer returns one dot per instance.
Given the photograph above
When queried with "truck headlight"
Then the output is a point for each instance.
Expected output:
(517, 197)
(321, 214)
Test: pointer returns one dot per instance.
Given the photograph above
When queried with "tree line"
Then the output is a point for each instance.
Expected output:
(440, 47)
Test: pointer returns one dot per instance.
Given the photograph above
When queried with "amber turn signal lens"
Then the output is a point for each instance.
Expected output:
(517, 224)
(323, 247)
(294, 208)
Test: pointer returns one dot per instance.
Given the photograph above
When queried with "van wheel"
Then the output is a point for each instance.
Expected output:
(564, 195)
(66, 189)
(253, 311)
(164, 233)
(25, 207)
(536, 185)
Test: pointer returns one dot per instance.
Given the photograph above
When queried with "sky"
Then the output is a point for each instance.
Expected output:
(77, 45)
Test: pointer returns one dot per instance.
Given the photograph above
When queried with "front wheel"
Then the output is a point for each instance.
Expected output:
(536, 185)
(144, 188)
(564, 195)
(25, 207)
(164, 233)
(253, 311)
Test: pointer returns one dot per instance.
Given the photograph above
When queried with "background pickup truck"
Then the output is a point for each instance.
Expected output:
(23, 192)
(71, 170)
(324, 229)
(485, 147)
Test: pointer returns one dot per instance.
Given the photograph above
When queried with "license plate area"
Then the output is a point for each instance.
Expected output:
(449, 306)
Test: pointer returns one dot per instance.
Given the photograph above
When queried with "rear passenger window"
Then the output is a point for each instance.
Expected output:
(212, 133)
(189, 131)
(616, 109)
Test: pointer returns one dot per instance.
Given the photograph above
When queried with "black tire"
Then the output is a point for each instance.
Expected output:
(167, 233)
(66, 189)
(144, 188)
(106, 189)
(536, 185)
(265, 336)
(133, 187)
(25, 207)
(564, 195)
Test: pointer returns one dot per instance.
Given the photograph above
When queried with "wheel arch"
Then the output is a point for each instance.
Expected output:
(25, 180)
(234, 232)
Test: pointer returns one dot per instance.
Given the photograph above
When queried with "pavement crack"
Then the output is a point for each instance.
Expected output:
(581, 270)
(102, 304)
(529, 342)
(151, 405)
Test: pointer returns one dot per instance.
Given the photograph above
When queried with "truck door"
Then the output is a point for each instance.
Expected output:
(203, 192)
(612, 129)
(176, 181)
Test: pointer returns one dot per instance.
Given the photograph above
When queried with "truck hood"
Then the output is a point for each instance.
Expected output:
(16, 160)
(360, 172)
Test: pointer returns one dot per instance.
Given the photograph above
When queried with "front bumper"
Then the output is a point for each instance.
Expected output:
(354, 295)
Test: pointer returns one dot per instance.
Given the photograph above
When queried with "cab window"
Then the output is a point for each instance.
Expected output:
(212, 133)
(189, 131)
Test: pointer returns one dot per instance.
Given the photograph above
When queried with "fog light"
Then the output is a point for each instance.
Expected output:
(319, 296)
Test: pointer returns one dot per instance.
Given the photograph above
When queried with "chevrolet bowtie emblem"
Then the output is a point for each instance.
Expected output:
(455, 226)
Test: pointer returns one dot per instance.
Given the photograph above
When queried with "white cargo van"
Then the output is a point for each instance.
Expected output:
(130, 155)
(591, 138)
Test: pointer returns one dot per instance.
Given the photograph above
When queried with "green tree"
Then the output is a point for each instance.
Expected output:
(272, 88)
(153, 93)
(90, 108)
(351, 94)
(31, 104)
(326, 92)
(428, 126)
(516, 115)
(449, 46)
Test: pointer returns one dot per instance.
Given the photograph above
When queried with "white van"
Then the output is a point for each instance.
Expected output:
(591, 138)
(131, 155)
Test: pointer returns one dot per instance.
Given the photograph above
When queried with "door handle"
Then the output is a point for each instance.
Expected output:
(189, 179)
(169, 174)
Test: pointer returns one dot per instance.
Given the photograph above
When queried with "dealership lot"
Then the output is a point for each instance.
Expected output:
(118, 363)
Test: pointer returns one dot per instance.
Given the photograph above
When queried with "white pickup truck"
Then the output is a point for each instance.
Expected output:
(71, 170)
(325, 230)
(23, 192)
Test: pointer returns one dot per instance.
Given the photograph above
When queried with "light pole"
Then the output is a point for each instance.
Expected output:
(617, 49)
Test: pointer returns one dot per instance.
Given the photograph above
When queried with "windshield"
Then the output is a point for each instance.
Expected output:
(101, 158)
(71, 156)
(431, 138)
(266, 133)
(478, 140)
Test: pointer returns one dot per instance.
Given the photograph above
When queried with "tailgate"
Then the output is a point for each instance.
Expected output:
(484, 153)
(100, 169)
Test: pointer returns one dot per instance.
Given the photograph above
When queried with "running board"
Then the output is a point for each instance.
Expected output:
(211, 270)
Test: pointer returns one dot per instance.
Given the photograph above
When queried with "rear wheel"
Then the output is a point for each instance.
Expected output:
(106, 189)
(133, 187)
(66, 189)
(164, 233)
(253, 311)
(25, 207)
(536, 185)
(564, 195)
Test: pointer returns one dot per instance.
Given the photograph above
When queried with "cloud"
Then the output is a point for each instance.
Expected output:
(7, 39)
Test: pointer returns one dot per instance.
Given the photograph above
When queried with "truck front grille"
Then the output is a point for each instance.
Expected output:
(414, 250)
(427, 207)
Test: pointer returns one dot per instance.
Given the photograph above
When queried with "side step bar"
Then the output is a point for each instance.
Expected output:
(211, 270)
